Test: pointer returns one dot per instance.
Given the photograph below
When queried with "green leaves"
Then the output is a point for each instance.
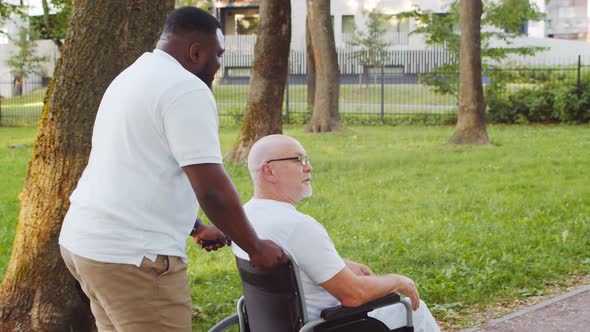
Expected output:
(501, 22)
(25, 60)
(370, 43)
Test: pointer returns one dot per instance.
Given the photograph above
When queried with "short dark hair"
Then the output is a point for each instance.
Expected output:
(190, 19)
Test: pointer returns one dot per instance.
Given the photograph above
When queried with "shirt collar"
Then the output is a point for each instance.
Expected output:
(272, 201)
(165, 55)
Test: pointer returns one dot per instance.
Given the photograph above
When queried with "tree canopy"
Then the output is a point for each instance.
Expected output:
(25, 60)
(501, 22)
(369, 41)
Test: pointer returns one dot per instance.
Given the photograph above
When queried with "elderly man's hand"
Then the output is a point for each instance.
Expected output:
(358, 268)
(209, 237)
(407, 287)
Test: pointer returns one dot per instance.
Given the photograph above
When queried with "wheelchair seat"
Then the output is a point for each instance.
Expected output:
(274, 301)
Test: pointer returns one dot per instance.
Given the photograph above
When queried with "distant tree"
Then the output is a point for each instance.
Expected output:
(325, 115)
(7, 9)
(203, 4)
(105, 36)
(370, 46)
(263, 115)
(25, 61)
(54, 26)
(471, 128)
(502, 20)
(474, 51)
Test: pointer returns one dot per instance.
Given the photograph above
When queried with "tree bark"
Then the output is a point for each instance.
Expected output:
(310, 67)
(471, 127)
(325, 115)
(263, 115)
(104, 37)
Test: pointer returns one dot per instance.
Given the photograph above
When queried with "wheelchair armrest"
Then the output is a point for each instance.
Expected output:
(339, 311)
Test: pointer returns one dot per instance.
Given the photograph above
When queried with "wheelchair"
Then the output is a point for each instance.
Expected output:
(273, 301)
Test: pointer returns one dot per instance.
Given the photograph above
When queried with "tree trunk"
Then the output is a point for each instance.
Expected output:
(325, 111)
(310, 68)
(264, 109)
(104, 37)
(471, 127)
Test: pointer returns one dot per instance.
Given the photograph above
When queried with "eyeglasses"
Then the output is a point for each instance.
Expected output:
(304, 160)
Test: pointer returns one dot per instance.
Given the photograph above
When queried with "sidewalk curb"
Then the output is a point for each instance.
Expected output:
(527, 310)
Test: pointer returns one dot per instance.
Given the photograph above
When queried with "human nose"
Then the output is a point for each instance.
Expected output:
(307, 167)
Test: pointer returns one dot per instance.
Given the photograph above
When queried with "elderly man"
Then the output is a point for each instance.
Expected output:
(281, 172)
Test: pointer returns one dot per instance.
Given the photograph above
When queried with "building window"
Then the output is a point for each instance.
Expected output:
(522, 30)
(399, 25)
(247, 25)
(348, 25)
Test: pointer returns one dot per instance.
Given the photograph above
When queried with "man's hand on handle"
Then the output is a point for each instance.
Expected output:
(267, 255)
(220, 201)
(210, 237)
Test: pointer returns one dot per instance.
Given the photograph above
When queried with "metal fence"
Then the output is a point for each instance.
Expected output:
(388, 94)
(21, 101)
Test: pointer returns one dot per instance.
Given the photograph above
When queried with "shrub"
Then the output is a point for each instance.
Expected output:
(532, 105)
(501, 110)
(552, 100)
(537, 103)
(573, 105)
(297, 118)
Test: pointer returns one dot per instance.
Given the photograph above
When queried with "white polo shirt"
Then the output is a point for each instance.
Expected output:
(134, 199)
(304, 239)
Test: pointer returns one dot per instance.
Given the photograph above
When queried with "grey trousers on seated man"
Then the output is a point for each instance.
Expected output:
(281, 172)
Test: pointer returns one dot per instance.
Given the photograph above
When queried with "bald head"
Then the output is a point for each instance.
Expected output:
(277, 171)
(267, 148)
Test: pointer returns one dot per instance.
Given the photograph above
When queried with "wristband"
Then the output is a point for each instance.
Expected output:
(198, 223)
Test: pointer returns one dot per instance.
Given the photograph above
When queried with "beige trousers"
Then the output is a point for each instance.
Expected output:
(123, 297)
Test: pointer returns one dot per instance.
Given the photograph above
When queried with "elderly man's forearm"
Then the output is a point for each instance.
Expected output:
(371, 288)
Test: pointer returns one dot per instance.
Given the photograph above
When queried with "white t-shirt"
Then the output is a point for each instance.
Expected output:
(305, 240)
(134, 199)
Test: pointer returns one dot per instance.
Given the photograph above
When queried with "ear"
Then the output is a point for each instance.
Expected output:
(267, 173)
(195, 53)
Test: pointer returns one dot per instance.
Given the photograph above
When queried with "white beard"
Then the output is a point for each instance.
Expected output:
(308, 191)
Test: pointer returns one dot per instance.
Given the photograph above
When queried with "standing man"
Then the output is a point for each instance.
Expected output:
(155, 153)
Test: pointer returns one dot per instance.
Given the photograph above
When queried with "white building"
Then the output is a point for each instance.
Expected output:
(346, 16)
(10, 28)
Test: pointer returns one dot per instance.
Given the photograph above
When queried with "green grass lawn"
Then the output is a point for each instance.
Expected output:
(471, 225)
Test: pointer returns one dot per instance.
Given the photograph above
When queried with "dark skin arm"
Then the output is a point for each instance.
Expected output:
(219, 200)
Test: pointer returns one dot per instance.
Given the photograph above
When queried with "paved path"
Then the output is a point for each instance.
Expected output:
(569, 312)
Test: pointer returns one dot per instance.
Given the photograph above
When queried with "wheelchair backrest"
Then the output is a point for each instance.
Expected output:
(273, 298)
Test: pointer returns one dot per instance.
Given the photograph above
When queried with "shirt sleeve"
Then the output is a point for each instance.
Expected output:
(314, 251)
(191, 128)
